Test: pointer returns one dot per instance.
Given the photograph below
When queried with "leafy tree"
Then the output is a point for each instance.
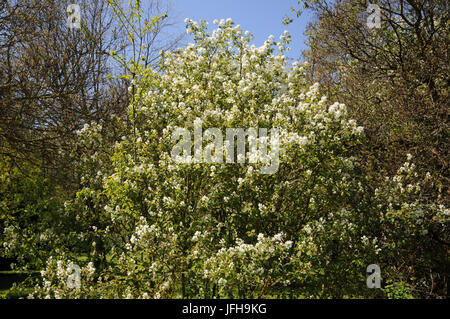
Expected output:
(56, 80)
(394, 78)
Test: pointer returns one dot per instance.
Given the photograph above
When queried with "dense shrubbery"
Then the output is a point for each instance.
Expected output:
(143, 226)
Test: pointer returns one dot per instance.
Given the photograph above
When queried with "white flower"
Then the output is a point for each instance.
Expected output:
(365, 240)
(196, 235)
(222, 282)
(278, 237)
(359, 129)
(307, 229)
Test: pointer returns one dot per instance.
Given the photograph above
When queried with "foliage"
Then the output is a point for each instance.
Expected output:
(153, 228)
(394, 78)
(346, 193)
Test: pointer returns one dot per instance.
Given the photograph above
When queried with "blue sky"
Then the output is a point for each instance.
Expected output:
(261, 17)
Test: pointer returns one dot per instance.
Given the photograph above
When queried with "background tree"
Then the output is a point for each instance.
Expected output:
(394, 78)
(395, 81)
(54, 81)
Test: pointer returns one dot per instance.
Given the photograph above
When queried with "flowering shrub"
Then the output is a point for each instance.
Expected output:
(154, 228)
(248, 270)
